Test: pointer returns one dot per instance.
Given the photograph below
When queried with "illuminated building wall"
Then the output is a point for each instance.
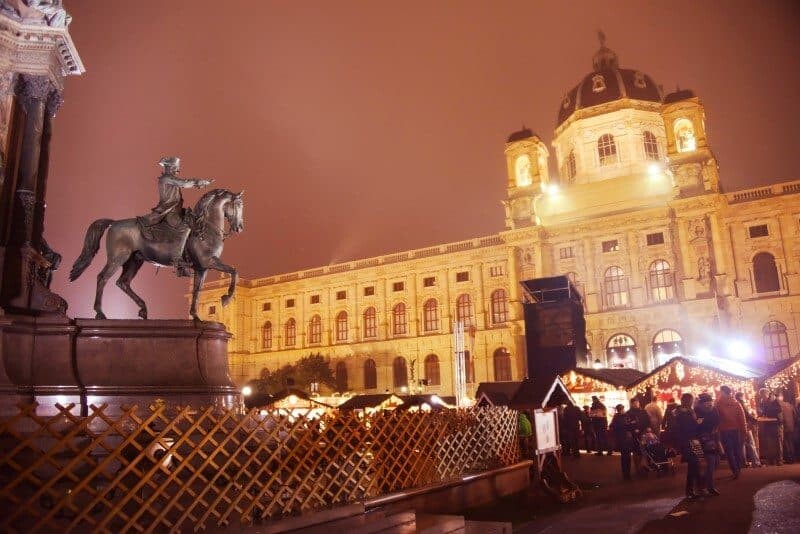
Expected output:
(666, 262)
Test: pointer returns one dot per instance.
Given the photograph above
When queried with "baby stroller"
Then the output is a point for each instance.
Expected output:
(656, 456)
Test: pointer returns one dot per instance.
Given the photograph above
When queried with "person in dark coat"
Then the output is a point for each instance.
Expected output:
(685, 433)
(589, 439)
(788, 417)
(570, 431)
(623, 426)
(640, 421)
(598, 414)
(707, 433)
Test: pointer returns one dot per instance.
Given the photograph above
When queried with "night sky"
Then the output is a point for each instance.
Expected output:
(363, 128)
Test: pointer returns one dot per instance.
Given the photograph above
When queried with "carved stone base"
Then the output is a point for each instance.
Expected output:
(53, 359)
(24, 291)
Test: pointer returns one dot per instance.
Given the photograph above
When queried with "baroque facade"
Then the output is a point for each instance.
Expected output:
(666, 261)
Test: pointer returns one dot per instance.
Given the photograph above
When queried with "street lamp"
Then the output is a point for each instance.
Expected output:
(597, 364)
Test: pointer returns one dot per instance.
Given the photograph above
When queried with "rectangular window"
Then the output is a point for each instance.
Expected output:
(369, 291)
(463, 276)
(212, 310)
(655, 239)
(759, 231)
(314, 299)
(497, 270)
(398, 286)
(341, 295)
(267, 306)
(290, 303)
(612, 245)
(566, 252)
(429, 281)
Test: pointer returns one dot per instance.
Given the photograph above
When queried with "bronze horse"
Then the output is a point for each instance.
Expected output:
(129, 248)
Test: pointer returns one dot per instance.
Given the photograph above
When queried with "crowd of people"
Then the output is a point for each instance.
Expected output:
(700, 430)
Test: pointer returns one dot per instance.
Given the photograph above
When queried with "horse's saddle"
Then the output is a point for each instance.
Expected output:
(156, 227)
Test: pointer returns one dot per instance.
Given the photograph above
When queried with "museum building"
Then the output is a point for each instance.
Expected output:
(667, 263)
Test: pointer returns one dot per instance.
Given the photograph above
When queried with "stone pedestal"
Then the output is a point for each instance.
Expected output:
(54, 359)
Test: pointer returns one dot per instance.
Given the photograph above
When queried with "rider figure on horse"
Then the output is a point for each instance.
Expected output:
(170, 207)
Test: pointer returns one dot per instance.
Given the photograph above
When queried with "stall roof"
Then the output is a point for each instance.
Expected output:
(615, 377)
(525, 394)
(360, 402)
(780, 365)
(691, 363)
(497, 393)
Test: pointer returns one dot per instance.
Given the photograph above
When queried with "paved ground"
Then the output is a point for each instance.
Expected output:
(765, 500)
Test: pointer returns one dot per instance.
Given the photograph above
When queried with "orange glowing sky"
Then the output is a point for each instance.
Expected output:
(363, 128)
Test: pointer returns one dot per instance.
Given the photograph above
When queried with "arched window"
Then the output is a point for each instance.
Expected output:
(464, 310)
(469, 367)
(502, 365)
(765, 273)
(660, 276)
(621, 351)
(341, 377)
(290, 333)
(400, 372)
(266, 335)
(370, 375)
(341, 326)
(570, 167)
(430, 315)
(615, 287)
(667, 344)
(315, 330)
(776, 341)
(399, 322)
(432, 370)
(650, 146)
(370, 323)
(607, 150)
(684, 135)
(499, 306)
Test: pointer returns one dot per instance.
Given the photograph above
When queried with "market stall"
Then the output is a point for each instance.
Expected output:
(608, 385)
(785, 376)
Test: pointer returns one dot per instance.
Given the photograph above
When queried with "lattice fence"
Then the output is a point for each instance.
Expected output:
(178, 469)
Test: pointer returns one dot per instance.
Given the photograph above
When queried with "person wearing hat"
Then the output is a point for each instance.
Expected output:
(170, 206)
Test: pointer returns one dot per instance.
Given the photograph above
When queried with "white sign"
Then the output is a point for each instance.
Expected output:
(546, 423)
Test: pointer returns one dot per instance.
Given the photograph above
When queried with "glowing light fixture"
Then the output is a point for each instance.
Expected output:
(738, 349)
(654, 170)
(292, 399)
(247, 391)
(703, 353)
(597, 364)
(552, 189)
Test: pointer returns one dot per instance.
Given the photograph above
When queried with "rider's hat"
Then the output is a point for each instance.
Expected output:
(170, 161)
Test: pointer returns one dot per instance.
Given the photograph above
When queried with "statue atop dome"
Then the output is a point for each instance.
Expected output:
(604, 58)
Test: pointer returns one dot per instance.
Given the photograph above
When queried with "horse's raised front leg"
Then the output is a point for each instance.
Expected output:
(217, 265)
(105, 274)
(129, 271)
(199, 278)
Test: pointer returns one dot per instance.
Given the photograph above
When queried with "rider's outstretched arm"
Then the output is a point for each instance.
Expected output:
(187, 182)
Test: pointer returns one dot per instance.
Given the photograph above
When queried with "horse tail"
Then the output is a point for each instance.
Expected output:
(91, 244)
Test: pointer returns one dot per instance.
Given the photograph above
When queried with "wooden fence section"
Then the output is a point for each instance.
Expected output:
(182, 468)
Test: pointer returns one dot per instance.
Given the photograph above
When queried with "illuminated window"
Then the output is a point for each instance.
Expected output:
(314, 299)
(621, 351)
(370, 375)
(290, 333)
(398, 286)
(765, 273)
(684, 135)
(655, 239)
(607, 150)
(502, 365)
(432, 370)
(266, 336)
(369, 291)
(499, 306)
(660, 281)
(370, 323)
(616, 287)
(315, 330)
(430, 315)
(399, 321)
(776, 341)
(496, 270)
(429, 281)
(341, 326)
(612, 245)
(400, 372)
(341, 377)
(464, 310)
(469, 367)
(638, 80)
(598, 83)
(570, 167)
(463, 276)
(566, 252)
(341, 295)
(667, 344)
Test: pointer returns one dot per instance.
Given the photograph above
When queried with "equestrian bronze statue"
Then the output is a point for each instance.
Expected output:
(190, 240)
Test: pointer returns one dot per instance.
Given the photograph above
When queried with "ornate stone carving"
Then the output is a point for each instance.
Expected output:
(54, 102)
(34, 87)
(49, 12)
(27, 200)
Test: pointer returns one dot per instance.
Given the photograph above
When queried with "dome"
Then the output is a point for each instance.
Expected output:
(519, 135)
(607, 83)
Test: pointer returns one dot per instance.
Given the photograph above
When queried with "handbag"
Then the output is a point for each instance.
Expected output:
(696, 448)
(708, 444)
